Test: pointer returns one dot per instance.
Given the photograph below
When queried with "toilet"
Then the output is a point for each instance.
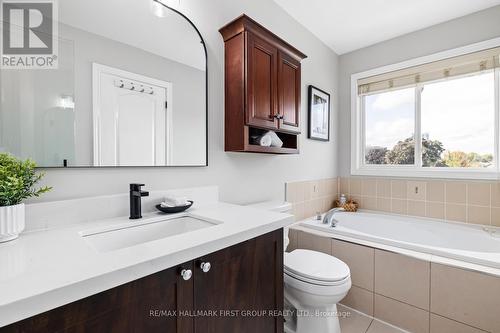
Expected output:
(314, 283)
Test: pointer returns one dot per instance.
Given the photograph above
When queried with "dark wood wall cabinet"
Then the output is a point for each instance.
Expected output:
(238, 289)
(262, 87)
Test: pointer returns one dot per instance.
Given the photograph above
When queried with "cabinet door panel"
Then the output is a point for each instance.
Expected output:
(127, 308)
(246, 277)
(261, 83)
(289, 93)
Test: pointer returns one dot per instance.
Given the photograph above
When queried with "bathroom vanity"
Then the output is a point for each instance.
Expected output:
(217, 267)
(186, 298)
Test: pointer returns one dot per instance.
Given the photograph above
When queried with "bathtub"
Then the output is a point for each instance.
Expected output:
(469, 243)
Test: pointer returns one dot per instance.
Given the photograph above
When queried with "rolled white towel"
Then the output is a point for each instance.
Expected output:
(275, 139)
(171, 201)
(265, 140)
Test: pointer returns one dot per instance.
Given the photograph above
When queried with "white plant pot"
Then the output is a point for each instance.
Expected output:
(12, 222)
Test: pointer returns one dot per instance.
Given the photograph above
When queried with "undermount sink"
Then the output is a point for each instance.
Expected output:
(133, 233)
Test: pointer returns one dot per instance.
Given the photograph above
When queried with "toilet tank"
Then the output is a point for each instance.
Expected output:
(280, 207)
(275, 206)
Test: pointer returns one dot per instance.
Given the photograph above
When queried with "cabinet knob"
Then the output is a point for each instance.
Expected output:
(278, 116)
(205, 267)
(186, 274)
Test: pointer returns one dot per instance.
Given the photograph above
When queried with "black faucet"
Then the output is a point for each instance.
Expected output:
(135, 200)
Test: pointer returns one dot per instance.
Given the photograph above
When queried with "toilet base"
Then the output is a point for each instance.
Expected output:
(323, 320)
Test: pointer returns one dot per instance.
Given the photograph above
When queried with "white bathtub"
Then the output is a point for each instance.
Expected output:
(469, 243)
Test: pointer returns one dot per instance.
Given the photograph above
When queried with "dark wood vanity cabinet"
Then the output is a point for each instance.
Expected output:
(262, 87)
(243, 278)
(248, 279)
(122, 309)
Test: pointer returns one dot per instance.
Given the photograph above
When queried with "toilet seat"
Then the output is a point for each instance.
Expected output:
(317, 289)
(318, 282)
(316, 268)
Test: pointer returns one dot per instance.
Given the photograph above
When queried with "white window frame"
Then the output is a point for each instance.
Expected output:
(358, 166)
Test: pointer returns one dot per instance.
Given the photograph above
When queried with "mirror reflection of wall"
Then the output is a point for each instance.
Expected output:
(36, 119)
(75, 116)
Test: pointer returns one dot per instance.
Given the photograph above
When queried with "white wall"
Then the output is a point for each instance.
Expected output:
(241, 177)
(466, 30)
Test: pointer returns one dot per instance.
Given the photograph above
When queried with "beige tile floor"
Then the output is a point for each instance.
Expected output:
(355, 322)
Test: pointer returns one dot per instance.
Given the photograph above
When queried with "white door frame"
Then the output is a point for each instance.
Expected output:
(97, 70)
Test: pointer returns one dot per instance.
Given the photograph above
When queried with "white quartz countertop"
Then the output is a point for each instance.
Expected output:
(45, 269)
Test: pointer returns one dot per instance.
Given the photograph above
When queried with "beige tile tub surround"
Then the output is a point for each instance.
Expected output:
(355, 322)
(416, 208)
(444, 325)
(309, 197)
(413, 294)
(359, 299)
(360, 260)
(435, 191)
(479, 194)
(399, 189)
(468, 297)
(416, 190)
(435, 210)
(401, 314)
(402, 278)
(456, 212)
(384, 188)
(476, 202)
(369, 187)
(312, 242)
(495, 216)
(381, 327)
(456, 192)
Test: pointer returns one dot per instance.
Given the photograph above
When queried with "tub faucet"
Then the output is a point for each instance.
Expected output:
(329, 217)
(135, 200)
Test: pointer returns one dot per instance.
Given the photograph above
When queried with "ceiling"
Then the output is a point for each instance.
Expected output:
(348, 25)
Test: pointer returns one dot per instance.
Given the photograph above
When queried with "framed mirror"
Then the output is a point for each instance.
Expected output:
(129, 89)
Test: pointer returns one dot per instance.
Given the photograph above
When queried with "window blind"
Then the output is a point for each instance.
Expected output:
(442, 69)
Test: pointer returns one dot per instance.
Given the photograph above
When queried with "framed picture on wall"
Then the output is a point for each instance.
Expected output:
(319, 114)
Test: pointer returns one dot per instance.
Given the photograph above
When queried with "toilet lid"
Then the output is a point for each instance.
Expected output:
(316, 266)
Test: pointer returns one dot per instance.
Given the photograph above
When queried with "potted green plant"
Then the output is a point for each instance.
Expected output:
(17, 182)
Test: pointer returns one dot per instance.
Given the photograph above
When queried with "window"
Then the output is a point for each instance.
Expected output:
(389, 120)
(438, 119)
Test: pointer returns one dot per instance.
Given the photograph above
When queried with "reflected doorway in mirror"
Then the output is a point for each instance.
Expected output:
(132, 124)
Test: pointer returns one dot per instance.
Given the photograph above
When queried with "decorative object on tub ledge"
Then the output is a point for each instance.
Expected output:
(343, 199)
(349, 205)
(17, 182)
(318, 114)
(174, 209)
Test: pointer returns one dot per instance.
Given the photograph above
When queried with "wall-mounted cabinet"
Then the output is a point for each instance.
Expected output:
(262, 87)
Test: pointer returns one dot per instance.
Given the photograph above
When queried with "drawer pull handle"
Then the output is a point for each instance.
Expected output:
(186, 274)
(205, 267)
